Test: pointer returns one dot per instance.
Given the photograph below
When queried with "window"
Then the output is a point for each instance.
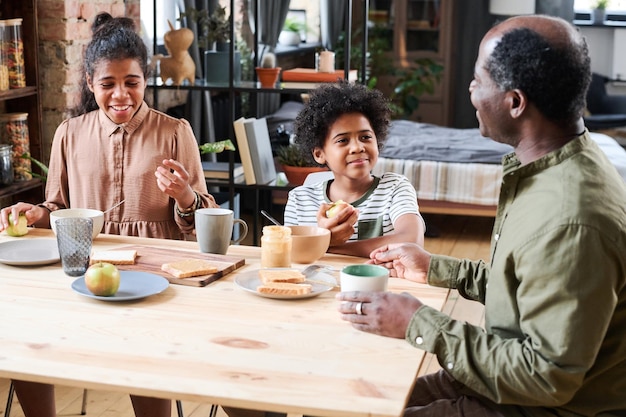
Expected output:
(167, 10)
(586, 5)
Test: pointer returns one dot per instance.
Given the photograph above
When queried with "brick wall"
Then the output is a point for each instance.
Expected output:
(64, 31)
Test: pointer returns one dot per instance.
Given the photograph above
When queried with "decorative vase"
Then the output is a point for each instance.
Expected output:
(297, 175)
(268, 77)
(216, 66)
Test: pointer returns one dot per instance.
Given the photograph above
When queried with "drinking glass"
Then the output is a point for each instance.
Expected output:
(74, 238)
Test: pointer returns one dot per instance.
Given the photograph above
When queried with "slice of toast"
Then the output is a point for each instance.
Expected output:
(284, 288)
(187, 268)
(281, 275)
(115, 257)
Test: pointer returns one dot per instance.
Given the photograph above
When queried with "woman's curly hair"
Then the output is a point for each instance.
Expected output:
(330, 101)
(114, 38)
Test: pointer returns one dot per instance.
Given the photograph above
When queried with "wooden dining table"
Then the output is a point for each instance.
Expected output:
(215, 344)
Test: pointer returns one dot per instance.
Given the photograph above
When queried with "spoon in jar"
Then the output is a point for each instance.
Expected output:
(116, 205)
(270, 218)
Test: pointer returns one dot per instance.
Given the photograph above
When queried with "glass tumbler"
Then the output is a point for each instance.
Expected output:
(74, 239)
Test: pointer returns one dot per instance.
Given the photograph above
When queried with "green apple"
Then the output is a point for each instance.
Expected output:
(103, 279)
(17, 229)
(335, 208)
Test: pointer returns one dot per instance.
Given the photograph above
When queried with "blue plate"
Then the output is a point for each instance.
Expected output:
(133, 285)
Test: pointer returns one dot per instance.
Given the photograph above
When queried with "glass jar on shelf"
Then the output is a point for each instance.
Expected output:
(14, 50)
(4, 68)
(6, 165)
(14, 132)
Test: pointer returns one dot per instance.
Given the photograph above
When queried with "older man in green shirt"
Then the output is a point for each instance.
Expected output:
(554, 292)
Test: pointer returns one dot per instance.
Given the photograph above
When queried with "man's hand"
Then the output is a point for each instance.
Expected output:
(404, 260)
(382, 313)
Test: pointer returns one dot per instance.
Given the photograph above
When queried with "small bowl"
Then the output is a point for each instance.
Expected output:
(96, 215)
(308, 243)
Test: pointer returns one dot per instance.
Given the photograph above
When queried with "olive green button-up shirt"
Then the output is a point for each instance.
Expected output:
(554, 341)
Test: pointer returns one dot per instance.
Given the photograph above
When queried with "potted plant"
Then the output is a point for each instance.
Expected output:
(291, 32)
(213, 29)
(268, 71)
(411, 83)
(214, 38)
(598, 11)
(295, 164)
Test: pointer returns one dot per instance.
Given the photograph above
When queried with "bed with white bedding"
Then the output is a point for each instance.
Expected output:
(457, 171)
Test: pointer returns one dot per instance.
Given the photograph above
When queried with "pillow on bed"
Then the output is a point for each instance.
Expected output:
(280, 123)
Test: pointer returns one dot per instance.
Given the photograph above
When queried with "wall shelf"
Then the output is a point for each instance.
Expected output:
(26, 99)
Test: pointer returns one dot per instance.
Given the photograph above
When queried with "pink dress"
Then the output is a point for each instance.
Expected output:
(95, 163)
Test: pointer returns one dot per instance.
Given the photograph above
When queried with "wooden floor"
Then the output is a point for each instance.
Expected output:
(464, 237)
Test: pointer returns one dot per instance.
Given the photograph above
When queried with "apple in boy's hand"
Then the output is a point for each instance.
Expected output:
(18, 228)
(336, 208)
(103, 279)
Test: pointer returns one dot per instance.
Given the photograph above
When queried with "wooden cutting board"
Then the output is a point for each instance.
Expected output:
(150, 259)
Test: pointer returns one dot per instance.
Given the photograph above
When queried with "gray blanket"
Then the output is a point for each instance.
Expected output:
(421, 141)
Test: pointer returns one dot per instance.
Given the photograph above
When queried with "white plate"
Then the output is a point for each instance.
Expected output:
(133, 285)
(29, 252)
(250, 280)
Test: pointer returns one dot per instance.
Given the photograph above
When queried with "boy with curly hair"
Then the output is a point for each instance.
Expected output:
(343, 126)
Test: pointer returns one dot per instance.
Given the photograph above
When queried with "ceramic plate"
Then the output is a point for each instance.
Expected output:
(29, 252)
(249, 281)
(133, 285)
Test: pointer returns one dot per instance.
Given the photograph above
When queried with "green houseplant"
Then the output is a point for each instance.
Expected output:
(214, 38)
(213, 29)
(291, 32)
(404, 86)
(295, 164)
(598, 11)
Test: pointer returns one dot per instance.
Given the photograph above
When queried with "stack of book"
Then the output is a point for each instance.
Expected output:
(253, 142)
(221, 171)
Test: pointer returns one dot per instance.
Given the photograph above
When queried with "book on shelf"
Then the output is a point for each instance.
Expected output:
(221, 170)
(312, 76)
(258, 136)
(244, 150)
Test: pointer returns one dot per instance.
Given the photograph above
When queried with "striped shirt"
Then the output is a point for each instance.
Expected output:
(390, 197)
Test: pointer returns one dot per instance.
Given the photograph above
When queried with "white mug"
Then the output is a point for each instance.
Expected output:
(214, 229)
(364, 277)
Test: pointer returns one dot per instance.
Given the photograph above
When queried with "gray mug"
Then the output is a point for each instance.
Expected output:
(214, 229)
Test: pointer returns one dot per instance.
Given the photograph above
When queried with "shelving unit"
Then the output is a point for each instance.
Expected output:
(233, 88)
(421, 29)
(25, 99)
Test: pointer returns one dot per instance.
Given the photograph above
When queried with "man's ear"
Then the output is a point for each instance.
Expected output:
(516, 101)
(318, 155)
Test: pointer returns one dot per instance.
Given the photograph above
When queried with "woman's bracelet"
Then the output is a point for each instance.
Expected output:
(44, 206)
(189, 211)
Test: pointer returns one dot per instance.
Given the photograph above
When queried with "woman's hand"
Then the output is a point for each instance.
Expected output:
(404, 260)
(32, 212)
(341, 225)
(173, 180)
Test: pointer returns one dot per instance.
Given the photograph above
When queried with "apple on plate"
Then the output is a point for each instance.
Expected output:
(102, 279)
(18, 228)
(336, 208)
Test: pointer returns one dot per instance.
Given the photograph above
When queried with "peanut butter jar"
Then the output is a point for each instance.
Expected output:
(276, 247)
